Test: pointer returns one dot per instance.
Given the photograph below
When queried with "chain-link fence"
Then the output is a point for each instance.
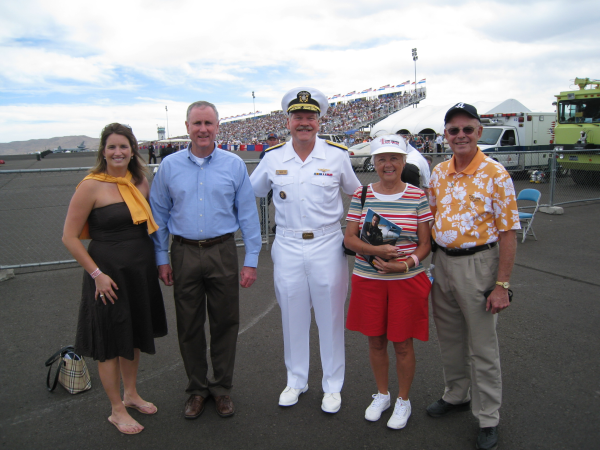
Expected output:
(574, 177)
(562, 177)
(34, 203)
(33, 207)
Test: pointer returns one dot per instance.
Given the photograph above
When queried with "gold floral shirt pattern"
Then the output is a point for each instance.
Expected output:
(471, 207)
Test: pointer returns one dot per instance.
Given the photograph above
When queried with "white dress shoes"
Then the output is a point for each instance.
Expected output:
(401, 414)
(331, 402)
(289, 396)
(379, 404)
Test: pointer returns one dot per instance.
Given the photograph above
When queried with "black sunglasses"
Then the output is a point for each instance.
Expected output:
(455, 130)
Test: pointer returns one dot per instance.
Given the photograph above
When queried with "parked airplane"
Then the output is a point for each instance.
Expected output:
(80, 148)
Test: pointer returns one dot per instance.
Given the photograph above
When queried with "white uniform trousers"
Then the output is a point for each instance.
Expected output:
(312, 273)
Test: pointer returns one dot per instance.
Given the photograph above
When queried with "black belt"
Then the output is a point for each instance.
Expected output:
(466, 251)
(205, 243)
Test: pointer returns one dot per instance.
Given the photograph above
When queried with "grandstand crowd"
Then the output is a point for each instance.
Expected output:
(345, 119)
(341, 118)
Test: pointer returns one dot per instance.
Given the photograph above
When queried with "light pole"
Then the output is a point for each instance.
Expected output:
(167, 113)
(415, 57)
(253, 105)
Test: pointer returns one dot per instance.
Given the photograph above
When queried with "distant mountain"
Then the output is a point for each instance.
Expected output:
(39, 145)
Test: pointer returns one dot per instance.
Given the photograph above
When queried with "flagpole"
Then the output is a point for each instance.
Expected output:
(415, 57)
(167, 113)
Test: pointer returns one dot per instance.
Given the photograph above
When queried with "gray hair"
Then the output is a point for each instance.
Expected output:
(201, 104)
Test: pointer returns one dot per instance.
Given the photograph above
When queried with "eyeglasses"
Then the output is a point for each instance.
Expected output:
(455, 130)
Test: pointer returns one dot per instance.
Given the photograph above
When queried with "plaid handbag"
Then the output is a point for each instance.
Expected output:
(72, 371)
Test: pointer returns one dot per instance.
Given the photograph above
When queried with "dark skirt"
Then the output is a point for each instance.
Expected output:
(124, 252)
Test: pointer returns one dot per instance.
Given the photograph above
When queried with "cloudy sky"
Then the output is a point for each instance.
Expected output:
(69, 67)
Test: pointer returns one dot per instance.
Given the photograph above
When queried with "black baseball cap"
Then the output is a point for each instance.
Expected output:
(272, 136)
(465, 108)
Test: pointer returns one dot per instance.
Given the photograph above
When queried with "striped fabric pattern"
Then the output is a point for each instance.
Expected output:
(407, 212)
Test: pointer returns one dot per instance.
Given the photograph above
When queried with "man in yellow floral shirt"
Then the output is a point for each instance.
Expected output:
(472, 198)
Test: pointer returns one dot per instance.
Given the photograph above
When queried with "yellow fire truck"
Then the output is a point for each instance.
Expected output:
(578, 128)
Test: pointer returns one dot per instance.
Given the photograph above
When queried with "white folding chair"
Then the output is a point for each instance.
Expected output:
(531, 195)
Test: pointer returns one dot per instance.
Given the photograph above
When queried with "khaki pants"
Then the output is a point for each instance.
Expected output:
(207, 279)
(467, 332)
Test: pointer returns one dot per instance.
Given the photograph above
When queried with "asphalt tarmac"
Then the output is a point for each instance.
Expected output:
(549, 344)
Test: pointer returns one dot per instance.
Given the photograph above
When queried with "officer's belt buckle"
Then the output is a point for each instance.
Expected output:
(309, 235)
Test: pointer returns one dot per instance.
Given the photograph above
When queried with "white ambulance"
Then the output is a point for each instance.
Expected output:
(518, 132)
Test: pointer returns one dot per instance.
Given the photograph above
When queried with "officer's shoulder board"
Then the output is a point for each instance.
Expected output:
(335, 144)
(275, 146)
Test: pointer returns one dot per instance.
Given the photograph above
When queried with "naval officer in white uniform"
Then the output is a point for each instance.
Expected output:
(310, 268)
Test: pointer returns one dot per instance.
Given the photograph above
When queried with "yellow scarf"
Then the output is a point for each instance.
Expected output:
(135, 201)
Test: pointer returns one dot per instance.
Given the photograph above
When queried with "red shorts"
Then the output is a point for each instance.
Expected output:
(396, 308)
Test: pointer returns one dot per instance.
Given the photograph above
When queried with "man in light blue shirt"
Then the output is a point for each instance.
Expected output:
(202, 196)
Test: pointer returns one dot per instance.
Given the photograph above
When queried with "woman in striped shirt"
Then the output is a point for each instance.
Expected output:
(389, 296)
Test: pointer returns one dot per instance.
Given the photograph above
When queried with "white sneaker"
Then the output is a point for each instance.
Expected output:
(401, 414)
(331, 402)
(379, 404)
(289, 396)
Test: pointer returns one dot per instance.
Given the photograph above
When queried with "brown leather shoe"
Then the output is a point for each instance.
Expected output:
(194, 406)
(224, 405)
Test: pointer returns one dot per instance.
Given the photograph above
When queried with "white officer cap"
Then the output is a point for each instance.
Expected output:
(391, 143)
(305, 99)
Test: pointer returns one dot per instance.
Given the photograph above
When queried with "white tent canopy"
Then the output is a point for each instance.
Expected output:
(416, 120)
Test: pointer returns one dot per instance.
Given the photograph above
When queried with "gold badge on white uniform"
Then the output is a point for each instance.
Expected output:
(281, 172)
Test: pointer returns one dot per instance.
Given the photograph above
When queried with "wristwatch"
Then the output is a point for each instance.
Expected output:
(504, 284)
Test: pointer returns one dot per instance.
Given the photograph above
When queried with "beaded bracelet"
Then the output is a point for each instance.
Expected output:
(95, 273)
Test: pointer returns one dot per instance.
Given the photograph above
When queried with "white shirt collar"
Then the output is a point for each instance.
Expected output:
(318, 151)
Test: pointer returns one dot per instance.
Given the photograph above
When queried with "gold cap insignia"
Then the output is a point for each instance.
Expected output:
(304, 102)
(303, 96)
